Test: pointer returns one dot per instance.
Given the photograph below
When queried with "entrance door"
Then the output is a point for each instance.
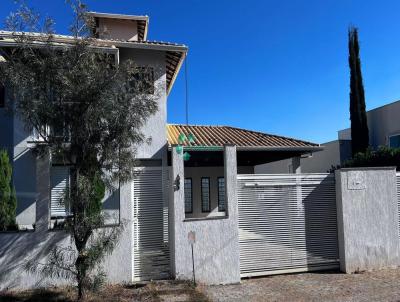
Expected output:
(150, 225)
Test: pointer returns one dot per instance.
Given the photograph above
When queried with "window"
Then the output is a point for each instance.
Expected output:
(394, 141)
(59, 182)
(2, 96)
(221, 194)
(205, 194)
(143, 80)
(188, 196)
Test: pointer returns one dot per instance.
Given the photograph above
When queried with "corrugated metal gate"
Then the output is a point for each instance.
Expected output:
(150, 225)
(287, 223)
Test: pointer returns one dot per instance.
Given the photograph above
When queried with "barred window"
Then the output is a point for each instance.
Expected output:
(188, 196)
(143, 80)
(221, 194)
(205, 194)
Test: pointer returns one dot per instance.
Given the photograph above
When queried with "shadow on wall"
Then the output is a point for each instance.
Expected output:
(321, 224)
(16, 249)
(24, 177)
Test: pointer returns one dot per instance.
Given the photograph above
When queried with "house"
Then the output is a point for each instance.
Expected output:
(384, 130)
(186, 181)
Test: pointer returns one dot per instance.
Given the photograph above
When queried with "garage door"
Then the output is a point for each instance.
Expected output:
(287, 223)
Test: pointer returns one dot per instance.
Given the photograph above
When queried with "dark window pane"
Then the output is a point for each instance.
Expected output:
(205, 194)
(394, 141)
(221, 194)
(188, 196)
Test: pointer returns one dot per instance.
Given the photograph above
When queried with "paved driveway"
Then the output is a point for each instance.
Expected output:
(381, 285)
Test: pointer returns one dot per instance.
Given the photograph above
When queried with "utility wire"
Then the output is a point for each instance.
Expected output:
(187, 91)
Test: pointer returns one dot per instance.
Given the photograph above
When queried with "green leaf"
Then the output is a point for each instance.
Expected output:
(179, 149)
(186, 156)
(182, 138)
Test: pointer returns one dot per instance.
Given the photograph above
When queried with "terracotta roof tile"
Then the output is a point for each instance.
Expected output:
(217, 136)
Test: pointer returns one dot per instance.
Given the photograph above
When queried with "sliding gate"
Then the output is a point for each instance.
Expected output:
(287, 223)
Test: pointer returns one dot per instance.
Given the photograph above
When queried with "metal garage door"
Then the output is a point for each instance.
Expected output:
(287, 223)
(150, 225)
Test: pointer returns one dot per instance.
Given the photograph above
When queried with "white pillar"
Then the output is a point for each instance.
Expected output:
(296, 165)
(176, 203)
(230, 170)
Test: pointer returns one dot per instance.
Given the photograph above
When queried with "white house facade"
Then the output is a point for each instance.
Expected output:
(196, 185)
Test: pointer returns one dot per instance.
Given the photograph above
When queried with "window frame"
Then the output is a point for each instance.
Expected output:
(218, 193)
(209, 195)
(392, 135)
(191, 194)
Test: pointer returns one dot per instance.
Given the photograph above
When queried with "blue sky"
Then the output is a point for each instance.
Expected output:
(275, 66)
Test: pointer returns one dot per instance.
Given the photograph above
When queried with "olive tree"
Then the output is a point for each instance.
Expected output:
(87, 111)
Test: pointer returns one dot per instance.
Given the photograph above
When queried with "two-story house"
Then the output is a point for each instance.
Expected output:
(153, 244)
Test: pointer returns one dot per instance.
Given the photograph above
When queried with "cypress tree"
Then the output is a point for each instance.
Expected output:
(358, 115)
(8, 200)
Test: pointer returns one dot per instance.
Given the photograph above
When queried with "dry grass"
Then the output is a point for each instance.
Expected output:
(171, 291)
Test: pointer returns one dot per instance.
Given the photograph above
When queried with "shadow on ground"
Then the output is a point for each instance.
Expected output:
(151, 292)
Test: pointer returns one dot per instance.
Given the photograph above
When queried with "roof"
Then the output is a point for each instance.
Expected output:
(175, 53)
(218, 136)
(142, 21)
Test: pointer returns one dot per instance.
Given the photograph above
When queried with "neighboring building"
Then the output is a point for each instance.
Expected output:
(155, 233)
(384, 130)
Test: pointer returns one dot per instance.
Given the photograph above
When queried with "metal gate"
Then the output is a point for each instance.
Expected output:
(287, 223)
(150, 225)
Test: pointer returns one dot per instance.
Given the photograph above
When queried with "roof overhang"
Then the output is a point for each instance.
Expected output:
(252, 148)
(11, 43)
(175, 53)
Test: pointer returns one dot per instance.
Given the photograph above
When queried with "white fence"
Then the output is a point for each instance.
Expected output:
(287, 223)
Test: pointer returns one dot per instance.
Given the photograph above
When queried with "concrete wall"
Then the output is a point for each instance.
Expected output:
(196, 173)
(382, 123)
(16, 249)
(155, 129)
(216, 250)
(114, 29)
(368, 229)
(334, 153)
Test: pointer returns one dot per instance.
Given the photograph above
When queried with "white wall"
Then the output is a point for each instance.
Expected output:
(216, 250)
(155, 129)
(368, 220)
(125, 30)
(382, 122)
(16, 249)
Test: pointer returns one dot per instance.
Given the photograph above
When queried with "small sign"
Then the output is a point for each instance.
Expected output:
(356, 180)
(192, 237)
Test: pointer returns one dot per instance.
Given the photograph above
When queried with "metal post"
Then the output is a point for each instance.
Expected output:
(194, 275)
